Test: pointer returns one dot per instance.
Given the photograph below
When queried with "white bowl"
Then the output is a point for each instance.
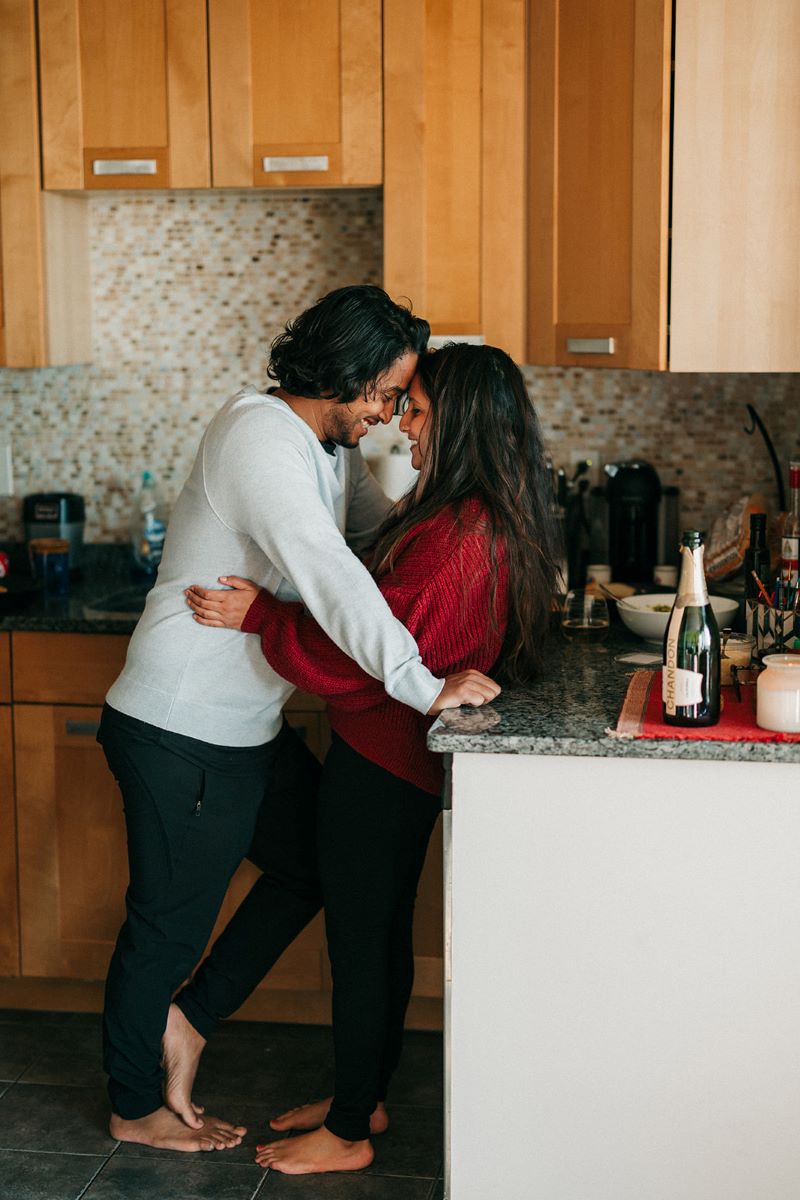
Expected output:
(638, 613)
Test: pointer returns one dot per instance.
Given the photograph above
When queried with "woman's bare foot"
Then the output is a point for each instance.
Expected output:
(166, 1131)
(181, 1047)
(311, 1116)
(314, 1153)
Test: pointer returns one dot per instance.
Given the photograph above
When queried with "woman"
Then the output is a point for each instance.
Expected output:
(466, 561)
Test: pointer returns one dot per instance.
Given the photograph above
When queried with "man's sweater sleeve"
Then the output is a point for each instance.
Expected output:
(261, 482)
(296, 647)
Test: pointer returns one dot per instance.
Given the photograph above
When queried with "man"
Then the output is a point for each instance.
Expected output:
(192, 729)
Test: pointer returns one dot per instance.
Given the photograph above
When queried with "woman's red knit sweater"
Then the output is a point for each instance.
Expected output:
(440, 588)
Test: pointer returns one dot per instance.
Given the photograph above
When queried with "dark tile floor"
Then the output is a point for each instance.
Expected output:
(54, 1143)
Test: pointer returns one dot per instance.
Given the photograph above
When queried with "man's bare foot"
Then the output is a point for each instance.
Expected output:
(314, 1153)
(166, 1131)
(311, 1116)
(181, 1048)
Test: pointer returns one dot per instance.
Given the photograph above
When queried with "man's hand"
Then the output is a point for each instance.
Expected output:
(222, 609)
(468, 687)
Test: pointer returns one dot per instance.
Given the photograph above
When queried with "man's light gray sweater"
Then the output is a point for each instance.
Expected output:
(265, 501)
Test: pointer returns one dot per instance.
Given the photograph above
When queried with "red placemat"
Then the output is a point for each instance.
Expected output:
(641, 715)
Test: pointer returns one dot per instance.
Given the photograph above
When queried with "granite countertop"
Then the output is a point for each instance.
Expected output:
(570, 710)
(106, 572)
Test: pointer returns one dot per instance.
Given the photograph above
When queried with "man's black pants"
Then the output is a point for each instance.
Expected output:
(193, 811)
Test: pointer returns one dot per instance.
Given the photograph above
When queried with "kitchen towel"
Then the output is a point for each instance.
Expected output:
(641, 716)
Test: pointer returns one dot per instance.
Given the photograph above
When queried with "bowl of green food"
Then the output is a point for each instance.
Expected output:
(647, 615)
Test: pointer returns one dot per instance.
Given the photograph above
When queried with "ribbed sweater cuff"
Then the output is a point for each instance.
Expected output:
(257, 613)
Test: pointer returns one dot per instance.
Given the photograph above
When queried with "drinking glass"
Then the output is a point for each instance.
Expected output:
(584, 617)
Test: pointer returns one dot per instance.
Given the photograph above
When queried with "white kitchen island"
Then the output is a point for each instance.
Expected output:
(623, 958)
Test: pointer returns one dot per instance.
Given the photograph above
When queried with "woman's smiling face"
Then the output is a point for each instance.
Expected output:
(413, 422)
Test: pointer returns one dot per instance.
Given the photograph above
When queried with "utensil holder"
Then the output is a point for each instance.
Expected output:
(774, 629)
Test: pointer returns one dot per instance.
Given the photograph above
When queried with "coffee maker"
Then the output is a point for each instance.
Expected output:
(56, 515)
(633, 491)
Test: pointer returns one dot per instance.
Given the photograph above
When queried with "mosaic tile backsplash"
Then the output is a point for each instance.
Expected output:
(189, 288)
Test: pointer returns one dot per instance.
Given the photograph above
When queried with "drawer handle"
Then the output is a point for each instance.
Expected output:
(295, 162)
(124, 166)
(81, 728)
(590, 345)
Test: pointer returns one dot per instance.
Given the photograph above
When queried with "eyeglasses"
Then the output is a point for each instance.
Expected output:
(401, 404)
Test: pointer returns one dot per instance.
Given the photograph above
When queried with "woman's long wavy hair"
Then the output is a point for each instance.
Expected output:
(484, 441)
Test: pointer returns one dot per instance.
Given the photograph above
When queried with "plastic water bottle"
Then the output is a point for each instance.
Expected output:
(148, 526)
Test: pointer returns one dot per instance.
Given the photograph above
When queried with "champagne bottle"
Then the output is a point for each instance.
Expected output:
(790, 541)
(690, 678)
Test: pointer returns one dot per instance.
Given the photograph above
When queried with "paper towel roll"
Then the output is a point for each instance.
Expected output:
(394, 471)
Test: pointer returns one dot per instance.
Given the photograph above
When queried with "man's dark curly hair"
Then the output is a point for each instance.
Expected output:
(339, 347)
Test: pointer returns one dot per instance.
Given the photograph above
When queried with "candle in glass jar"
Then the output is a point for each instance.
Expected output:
(778, 694)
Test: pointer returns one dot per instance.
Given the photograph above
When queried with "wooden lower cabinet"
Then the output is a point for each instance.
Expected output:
(9, 924)
(72, 855)
(72, 868)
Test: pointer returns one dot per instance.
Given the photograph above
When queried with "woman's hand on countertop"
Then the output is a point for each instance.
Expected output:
(223, 609)
(467, 687)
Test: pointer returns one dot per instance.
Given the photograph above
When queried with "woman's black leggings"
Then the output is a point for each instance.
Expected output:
(373, 832)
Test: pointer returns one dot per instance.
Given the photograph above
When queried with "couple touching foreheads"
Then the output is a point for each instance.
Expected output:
(391, 612)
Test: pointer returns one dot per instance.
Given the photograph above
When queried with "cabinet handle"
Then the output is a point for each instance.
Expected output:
(81, 728)
(590, 345)
(124, 166)
(295, 162)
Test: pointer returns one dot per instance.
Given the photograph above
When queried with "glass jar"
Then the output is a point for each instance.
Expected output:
(778, 694)
(737, 650)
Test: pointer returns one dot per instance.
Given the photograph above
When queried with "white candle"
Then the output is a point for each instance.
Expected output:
(778, 694)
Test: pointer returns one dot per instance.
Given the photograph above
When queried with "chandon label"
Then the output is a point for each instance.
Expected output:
(681, 688)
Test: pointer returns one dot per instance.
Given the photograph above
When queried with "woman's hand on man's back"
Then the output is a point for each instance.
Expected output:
(223, 609)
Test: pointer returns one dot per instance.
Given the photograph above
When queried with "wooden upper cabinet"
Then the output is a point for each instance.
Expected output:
(736, 187)
(599, 182)
(124, 93)
(454, 164)
(44, 259)
(295, 92)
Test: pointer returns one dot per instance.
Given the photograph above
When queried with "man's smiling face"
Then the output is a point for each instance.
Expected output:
(346, 424)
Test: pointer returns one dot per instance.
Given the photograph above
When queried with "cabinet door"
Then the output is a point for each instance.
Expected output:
(599, 180)
(23, 340)
(66, 668)
(5, 668)
(295, 92)
(72, 851)
(9, 924)
(735, 292)
(124, 90)
(44, 259)
(454, 165)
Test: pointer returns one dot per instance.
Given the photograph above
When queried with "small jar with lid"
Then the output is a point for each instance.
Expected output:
(737, 651)
(778, 694)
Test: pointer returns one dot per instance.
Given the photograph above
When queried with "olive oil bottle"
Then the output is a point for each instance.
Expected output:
(690, 677)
